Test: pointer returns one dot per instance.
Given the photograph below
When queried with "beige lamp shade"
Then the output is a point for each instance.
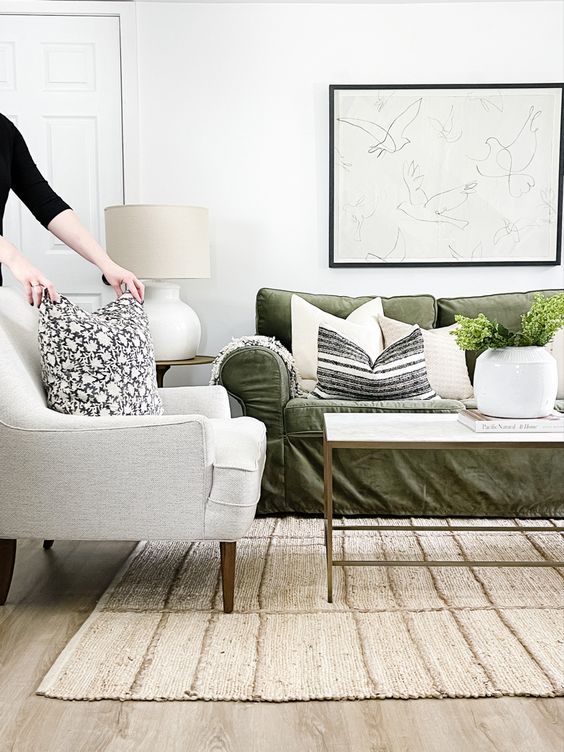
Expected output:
(159, 242)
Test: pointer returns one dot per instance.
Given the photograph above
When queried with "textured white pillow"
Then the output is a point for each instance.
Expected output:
(556, 347)
(446, 362)
(361, 327)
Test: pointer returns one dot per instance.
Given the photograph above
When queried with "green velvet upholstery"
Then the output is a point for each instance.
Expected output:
(306, 415)
(477, 482)
(507, 308)
(258, 379)
(273, 310)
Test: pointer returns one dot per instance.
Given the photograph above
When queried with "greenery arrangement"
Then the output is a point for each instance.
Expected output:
(538, 327)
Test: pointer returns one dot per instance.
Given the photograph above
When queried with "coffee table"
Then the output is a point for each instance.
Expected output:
(417, 431)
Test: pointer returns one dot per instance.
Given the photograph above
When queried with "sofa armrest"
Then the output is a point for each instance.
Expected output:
(258, 378)
(211, 401)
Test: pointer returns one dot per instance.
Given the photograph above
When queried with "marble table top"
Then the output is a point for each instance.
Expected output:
(422, 430)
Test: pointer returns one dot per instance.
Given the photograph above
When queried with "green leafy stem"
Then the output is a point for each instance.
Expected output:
(538, 327)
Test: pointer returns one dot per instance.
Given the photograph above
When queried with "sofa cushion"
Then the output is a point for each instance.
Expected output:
(99, 363)
(305, 415)
(361, 327)
(507, 308)
(346, 371)
(274, 319)
(445, 361)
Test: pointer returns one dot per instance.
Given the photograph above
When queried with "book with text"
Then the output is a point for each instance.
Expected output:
(477, 421)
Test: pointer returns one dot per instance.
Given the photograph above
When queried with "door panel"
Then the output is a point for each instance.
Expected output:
(60, 82)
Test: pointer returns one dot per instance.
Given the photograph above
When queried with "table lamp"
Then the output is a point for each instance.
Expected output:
(163, 243)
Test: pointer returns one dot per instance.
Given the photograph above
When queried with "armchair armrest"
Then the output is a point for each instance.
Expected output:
(180, 404)
(211, 401)
(239, 443)
(117, 477)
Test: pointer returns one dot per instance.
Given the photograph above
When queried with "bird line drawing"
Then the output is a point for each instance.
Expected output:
(476, 252)
(548, 203)
(391, 139)
(381, 99)
(446, 129)
(435, 208)
(488, 101)
(342, 162)
(358, 216)
(398, 252)
(511, 229)
(511, 160)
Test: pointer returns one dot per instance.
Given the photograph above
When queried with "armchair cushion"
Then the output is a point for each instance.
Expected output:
(98, 363)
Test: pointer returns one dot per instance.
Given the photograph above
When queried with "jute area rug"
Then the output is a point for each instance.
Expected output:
(159, 632)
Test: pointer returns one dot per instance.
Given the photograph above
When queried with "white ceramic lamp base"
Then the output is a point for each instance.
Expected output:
(175, 327)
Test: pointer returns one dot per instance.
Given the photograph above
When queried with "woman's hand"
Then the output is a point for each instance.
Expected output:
(32, 280)
(117, 276)
(67, 227)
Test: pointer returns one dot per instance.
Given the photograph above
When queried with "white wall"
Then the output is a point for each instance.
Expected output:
(234, 116)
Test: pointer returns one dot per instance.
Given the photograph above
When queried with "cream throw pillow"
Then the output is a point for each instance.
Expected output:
(446, 362)
(556, 347)
(361, 327)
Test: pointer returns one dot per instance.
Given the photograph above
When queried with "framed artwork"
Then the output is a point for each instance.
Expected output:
(449, 175)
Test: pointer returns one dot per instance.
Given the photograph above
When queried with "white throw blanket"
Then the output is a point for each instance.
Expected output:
(258, 340)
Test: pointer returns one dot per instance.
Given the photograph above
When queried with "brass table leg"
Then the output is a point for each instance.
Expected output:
(328, 507)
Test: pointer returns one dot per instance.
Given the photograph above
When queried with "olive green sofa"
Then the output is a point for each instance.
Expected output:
(461, 482)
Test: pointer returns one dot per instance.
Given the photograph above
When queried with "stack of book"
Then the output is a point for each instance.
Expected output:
(477, 421)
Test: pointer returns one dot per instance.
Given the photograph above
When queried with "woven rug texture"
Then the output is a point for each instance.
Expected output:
(159, 632)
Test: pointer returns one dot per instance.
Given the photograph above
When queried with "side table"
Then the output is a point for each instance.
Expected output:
(162, 366)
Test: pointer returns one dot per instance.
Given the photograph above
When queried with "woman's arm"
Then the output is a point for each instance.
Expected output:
(53, 213)
(67, 227)
(32, 280)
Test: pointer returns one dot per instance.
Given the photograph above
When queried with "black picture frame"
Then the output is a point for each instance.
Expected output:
(333, 260)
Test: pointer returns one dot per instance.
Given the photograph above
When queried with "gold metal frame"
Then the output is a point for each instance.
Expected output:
(329, 527)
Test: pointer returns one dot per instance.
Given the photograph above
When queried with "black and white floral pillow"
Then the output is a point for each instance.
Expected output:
(99, 363)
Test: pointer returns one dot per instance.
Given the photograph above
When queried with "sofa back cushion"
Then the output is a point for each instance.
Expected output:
(274, 317)
(507, 308)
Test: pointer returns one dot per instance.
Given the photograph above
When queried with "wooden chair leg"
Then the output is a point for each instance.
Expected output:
(7, 560)
(47, 544)
(228, 552)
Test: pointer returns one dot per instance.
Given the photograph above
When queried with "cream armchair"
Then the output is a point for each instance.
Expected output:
(193, 473)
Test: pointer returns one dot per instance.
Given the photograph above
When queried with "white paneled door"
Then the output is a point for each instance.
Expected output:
(60, 82)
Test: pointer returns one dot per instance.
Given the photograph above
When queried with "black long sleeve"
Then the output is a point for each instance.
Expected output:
(19, 172)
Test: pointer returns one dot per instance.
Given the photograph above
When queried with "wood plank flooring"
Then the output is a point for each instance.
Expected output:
(54, 591)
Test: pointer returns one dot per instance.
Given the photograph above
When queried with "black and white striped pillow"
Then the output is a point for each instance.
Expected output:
(345, 371)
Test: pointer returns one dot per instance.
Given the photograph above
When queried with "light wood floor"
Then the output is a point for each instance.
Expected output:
(53, 593)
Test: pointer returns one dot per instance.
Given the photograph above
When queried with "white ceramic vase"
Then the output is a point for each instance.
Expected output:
(516, 382)
(175, 327)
